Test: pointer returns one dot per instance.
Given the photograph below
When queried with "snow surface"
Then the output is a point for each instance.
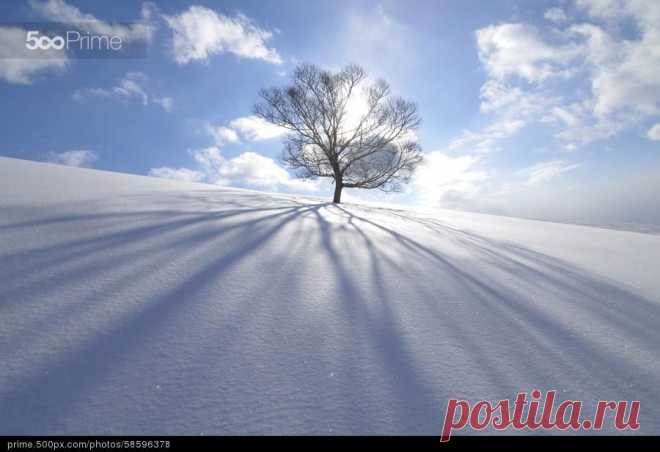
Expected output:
(133, 305)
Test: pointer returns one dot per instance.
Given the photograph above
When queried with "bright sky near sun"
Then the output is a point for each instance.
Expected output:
(544, 109)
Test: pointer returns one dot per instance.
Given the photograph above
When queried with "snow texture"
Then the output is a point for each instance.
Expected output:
(133, 305)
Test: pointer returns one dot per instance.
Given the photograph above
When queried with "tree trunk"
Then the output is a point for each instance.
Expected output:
(338, 187)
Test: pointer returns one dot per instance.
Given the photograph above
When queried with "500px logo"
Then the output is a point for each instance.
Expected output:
(79, 40)
(34, 40)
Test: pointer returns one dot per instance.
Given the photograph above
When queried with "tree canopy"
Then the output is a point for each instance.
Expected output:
(345, 127)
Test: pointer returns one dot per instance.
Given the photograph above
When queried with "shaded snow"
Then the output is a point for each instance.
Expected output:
(132, 305)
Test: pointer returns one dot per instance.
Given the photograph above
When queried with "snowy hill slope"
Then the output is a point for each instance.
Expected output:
(132, 305)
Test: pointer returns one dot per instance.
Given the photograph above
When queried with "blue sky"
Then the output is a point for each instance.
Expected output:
(545, 109)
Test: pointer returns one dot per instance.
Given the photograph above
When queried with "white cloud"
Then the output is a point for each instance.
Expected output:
(258, 171)
(544, 171)
(556, 15)
(222, 135)
(513, 108)
(571, 115)
(249, 128)
(598, 46)
(654, 133)
(209, 160)
(442, 180)
(621, 71)
(646, 12)
(497, 97)
(254, 128)
(512, 102)
(183, 174)
(512, 53)
(19, 64)
(633, 83)
(580, 127)
(624, 73)
(129, 87)
(200, 32)
(247, 169)
(167, 103)
(576, 125)
(514, 49)
(61, 12)
(486, 140)
(80, 158)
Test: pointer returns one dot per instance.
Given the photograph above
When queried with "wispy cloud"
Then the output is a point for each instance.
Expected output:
(80, 158)
(166, 103)
(510, 108)
(129, 87)
(545, 171)
(182, 174)
(61, 12)
(486, 140)
(556, 15)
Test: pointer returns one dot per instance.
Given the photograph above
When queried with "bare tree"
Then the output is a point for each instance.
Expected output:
(343, 127)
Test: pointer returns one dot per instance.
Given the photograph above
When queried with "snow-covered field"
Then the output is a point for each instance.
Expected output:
(133, 305)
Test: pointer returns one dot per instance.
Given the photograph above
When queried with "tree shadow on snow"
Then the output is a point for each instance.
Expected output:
(140, 315)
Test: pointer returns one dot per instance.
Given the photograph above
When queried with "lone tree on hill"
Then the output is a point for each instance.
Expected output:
(343, 126)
